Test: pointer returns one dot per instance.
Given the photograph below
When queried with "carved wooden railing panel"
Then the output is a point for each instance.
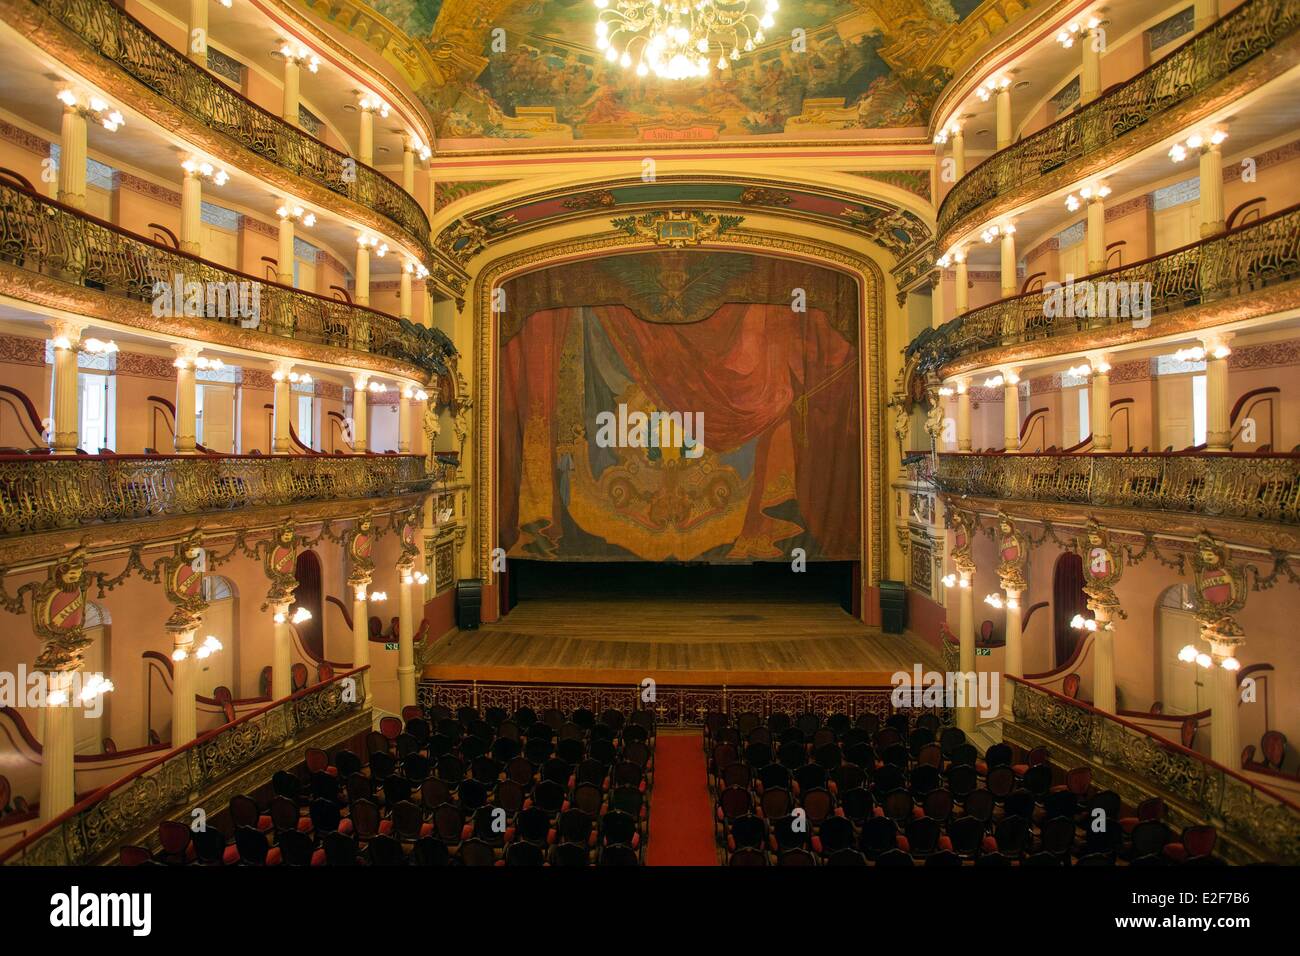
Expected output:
(1242, 810)
(1196, 66)
(149, 59)
(1252, 257)
(1253, 487)
(103, 820)
(46, 492)
(47, 237)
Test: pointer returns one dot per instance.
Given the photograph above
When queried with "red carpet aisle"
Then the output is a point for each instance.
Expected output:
(681, 822)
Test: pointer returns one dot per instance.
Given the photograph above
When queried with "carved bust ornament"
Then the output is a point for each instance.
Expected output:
(1102, 566)
(1013, 554)
(1220, 589)
(59, 613)
(279, 561)
(960, 525)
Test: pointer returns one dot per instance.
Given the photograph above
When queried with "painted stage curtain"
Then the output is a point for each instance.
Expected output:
(777, 392)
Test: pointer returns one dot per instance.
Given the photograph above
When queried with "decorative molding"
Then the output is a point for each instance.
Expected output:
(22, 350)
(147, 188)
(28, 141)
(1129, 206)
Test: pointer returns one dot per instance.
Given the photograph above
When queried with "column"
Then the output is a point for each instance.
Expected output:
(1003, 105)
(1009, 284)
(58, 742)
(72, 158)
(1225, 731)
(281, 410)
(963, 418)
(1207, 11)
(191, 210)
(1011, 411)
(1013, 660)
(360, 622)
(65, 404)
(424, 314)
(408, 165)
(962, 298)
(417, 439)
(186, 425)
(1090, 73)
(404, 293)
(366, 141)
(184, 681)
(1103, 667)
(1218, 401)
(281, 658)
(360, 414)
(198, 45)
(966, 645)
(406, 636)
(289, 112)
(958, 152)
(284, 261)
(1212, 221)
(1100, 405)
(937, 314)
(361, 294)
(1095, 230)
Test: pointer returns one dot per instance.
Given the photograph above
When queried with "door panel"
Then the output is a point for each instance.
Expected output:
(217, 423)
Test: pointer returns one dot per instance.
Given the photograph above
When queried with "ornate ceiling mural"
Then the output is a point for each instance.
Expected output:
(504, 71)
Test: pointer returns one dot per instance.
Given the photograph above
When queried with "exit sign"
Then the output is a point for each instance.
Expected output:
(390, 646)
(982, 652)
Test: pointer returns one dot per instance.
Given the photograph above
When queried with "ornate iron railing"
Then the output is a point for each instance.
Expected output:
(674, 705)
(1243, 810)
(46, 493)
(1245, 259)
(146, 57)
(47, 237)
(1194, 67)
(102, 821)
(1227, 485)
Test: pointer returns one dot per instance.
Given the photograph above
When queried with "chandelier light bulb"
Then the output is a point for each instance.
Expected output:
(95, 685)
(1230, 664)
(300, 614)
(1188, 654)
(379, 595)
(949, 580)
(180, 654)
(993, 600)
(1205, 660)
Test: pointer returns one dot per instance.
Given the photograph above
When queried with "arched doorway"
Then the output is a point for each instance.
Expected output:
(221, 620)
(1068, 600)
(1183, 689)
(308, 594)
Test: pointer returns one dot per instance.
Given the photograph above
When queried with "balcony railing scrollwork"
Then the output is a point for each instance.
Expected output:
(146, 57)
(1196, 66)
(45, 493)
(1261, 487)
(1248, 258)
(109, 817)
(49, 238)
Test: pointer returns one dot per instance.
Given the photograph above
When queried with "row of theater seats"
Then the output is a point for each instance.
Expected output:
(471, 788)
(803, 792)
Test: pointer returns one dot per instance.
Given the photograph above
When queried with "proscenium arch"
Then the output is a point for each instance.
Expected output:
(867, 275)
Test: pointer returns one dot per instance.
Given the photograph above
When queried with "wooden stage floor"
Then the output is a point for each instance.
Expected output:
(683, 641)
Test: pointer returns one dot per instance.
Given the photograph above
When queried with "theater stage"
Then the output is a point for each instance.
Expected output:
(685, 640)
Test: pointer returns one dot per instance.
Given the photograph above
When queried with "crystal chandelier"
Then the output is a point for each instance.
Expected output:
(675, 39)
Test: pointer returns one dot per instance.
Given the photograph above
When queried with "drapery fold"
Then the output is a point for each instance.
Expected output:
(778, 392)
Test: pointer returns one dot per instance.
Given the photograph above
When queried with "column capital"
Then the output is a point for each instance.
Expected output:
(69, 329)
(1214, 341)
(360, 380)
(280, 369)
(186, 352)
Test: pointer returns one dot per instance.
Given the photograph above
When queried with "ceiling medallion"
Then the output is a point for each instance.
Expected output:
(675, 39)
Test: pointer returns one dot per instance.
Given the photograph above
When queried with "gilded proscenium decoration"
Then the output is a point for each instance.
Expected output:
(1217, 271)
(45, 493)
(1103, 564)
(46, 239)
(677, 228)
(959, 525)
(1244, 814)
(102, 33)
(1166, 92)
(358, 542)
(280, 562)
(1262, 488)
(183, 582)
(1220, 590)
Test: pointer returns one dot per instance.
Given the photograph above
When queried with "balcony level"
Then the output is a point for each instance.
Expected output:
(1228, 60)
(137, 68)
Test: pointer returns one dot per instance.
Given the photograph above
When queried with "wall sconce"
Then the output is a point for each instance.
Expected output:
(378, 595)
(1197, 143)
(93, 105)
(98, 346)
(1067, 35)
(204, 169)
(419, 394)
(1087, 194)
(993, 232)
(293, 50)
(377, 387)
(993, 84)
(373, 243)
(288, 211)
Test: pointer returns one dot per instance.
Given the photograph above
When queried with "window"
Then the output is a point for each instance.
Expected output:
(96, 426)
(1085, 421)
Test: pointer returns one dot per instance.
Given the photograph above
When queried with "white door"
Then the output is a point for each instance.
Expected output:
(217, 669)
(1177, 226)
(1074, 260)
(89, 731)
(217, 418)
